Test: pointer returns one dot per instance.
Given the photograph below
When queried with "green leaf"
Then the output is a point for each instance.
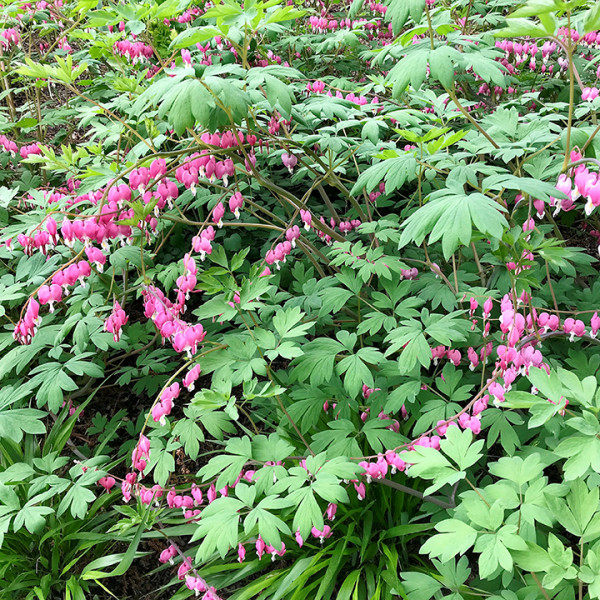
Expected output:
(560, 555)
(455, 537)
(395, 171)
(269, 525)
(484, 66)
(518, 470)
(482, 515)
(441, 66)
(136, 27)
(317, 363)
(90, 570)
(457, 446)
(185, 103)
(164, 467)
(379, 436)
(355, 8)
(330, 488)
(432, 464)
(412, 68)
(413, 344)
(308, 513)
(446, 329)
(535, 8)
(16, 421)
(534, 187)
(493, 554)
(190, 435)
(32, 517)
(583, 503)
(356, 372)
(582, 454)
(592, 19)
(542, 412)
(279, 94)
(219, 527)
(77, 499)
(370, 131)
(534, 559)
(420, 586)
(520, 27)
(271, 448)
(26, 123)
(194, 35)
(287, 322)
(450, 216)
(399, 11)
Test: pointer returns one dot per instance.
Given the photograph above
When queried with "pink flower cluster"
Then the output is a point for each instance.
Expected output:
(375, 194)
(584, 184)
(133, 51)
(409, 273)
(10, 36)
(139, 457)
(218, 214)
(120, 27)
(186, 283)
(165, 315)
(26, 328)
(188, 15)
(114, 323)
(202, 243)
(344, 227)
(193, 582)
(129, 481)
(31, 149)
(75, 272)
(97, 229)
(262, 548)
(306, 218)
(317, 87)
(63, 44)
(163, 408)
(236, 203)
(204, 165)
(376, 28)
(168, 554)
(515, 358)
(278, 254)
(227, 139)
(38, 241)
(8, 145)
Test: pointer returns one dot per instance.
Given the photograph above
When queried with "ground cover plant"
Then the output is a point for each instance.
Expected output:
(299, 299)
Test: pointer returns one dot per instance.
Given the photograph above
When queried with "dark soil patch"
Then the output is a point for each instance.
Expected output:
(142, 581)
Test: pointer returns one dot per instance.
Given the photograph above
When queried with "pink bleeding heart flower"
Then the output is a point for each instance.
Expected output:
(107, 483)
(289, 161)
(236, 203)
(218, 213)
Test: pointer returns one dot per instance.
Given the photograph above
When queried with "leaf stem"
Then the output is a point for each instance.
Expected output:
(469, 118)
(538, 583)
(569, 50)
(429, 26)
(416, 493)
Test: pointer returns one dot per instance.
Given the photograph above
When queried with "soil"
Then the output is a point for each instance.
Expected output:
(142, 581)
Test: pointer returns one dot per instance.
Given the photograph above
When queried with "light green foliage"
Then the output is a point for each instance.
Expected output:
(360, 375)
